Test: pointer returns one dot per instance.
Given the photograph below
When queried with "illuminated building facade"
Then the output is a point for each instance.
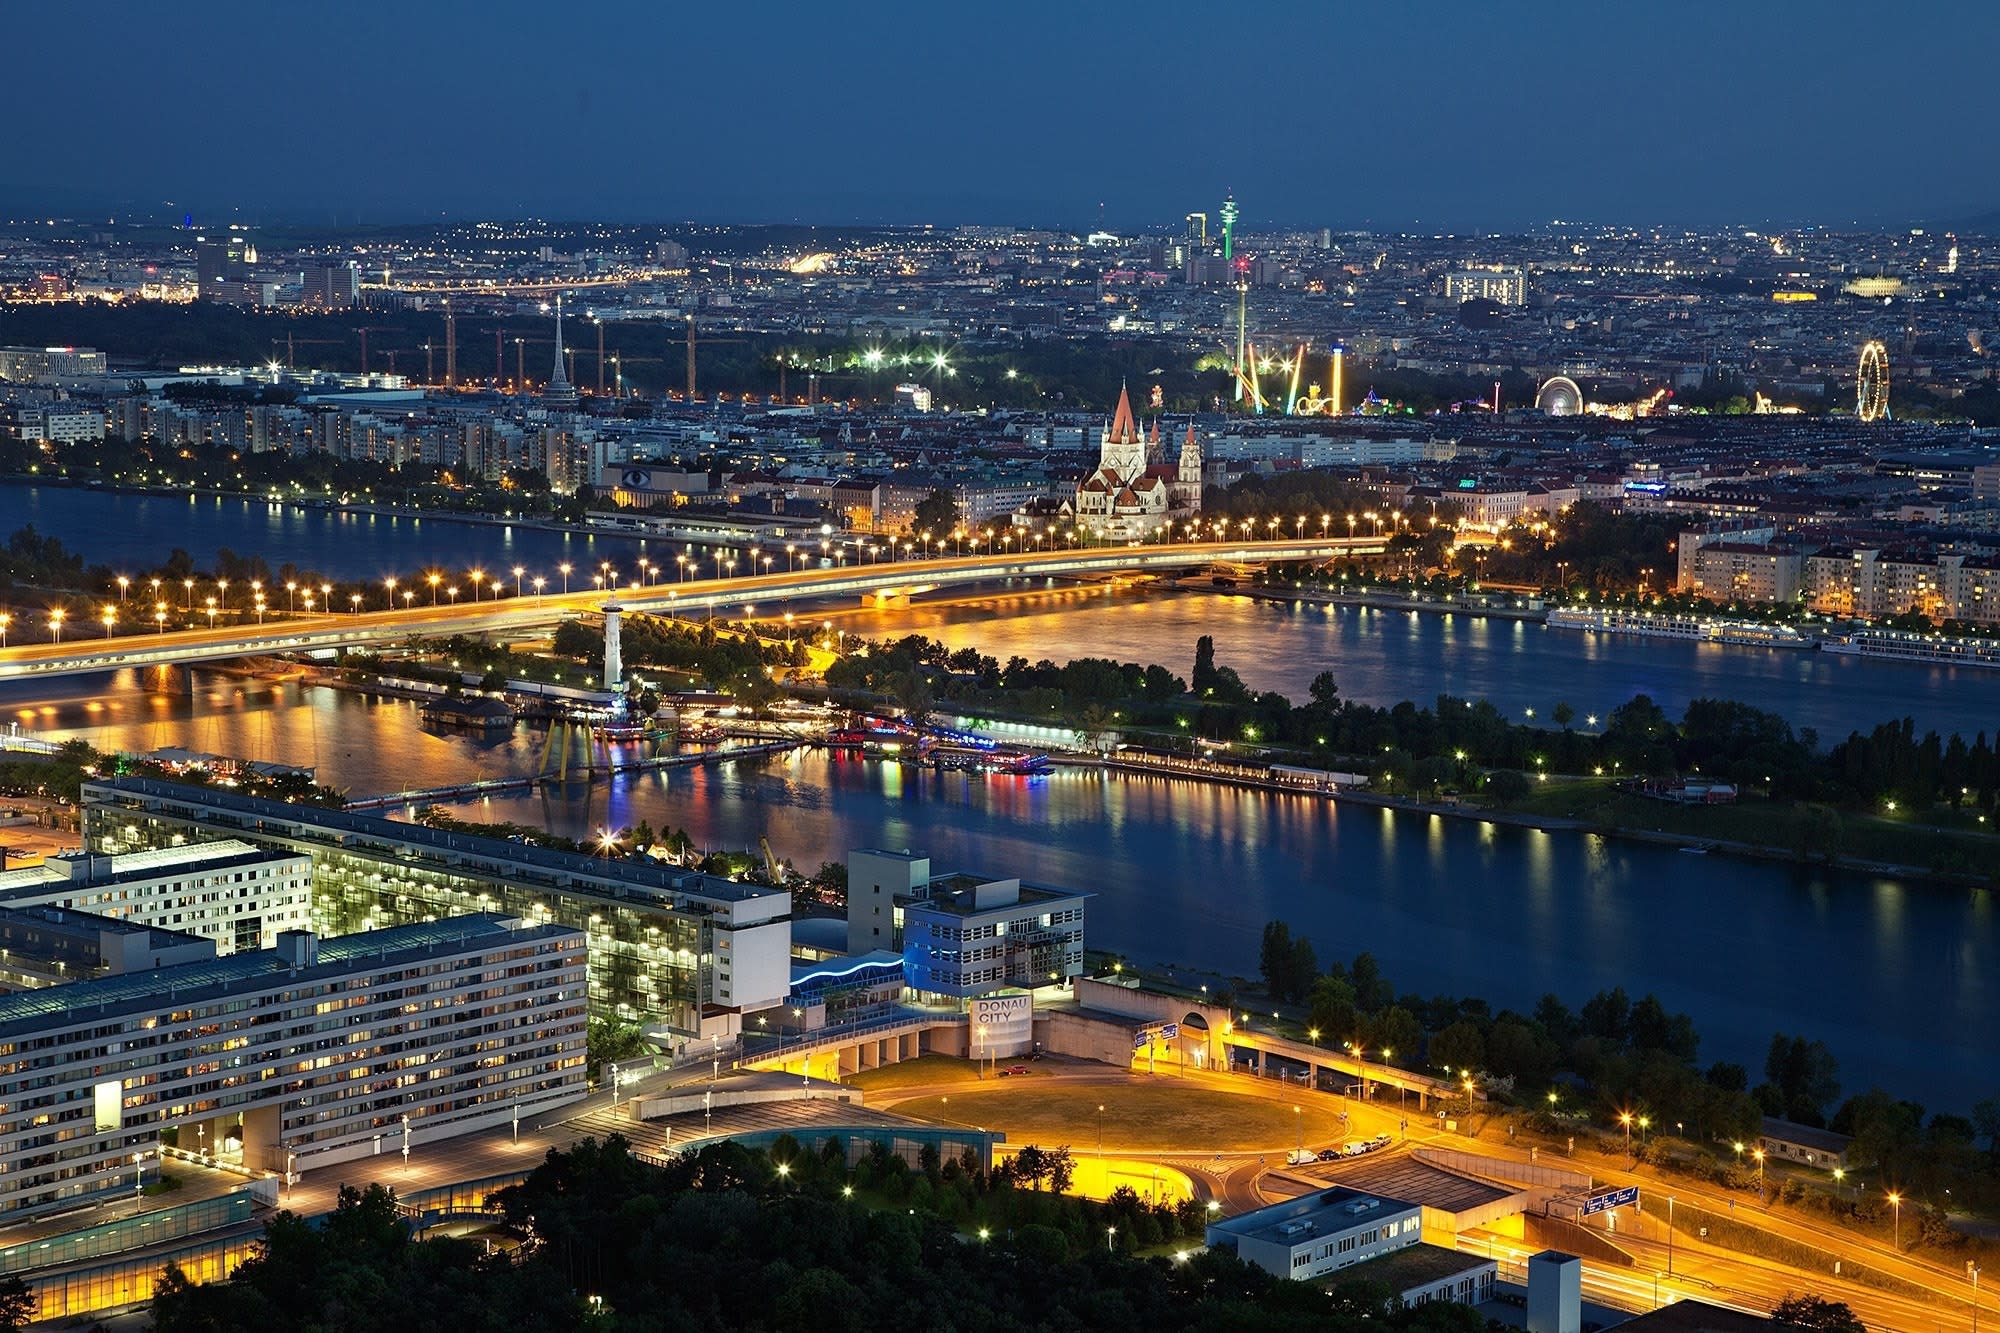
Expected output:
(314, 1052)
(226, 891)
(688, 951)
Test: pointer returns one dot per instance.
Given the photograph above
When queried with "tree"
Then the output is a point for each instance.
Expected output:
(1817, 1313)
(1805, 1076)
(1506, 786)
(1564, 714)
(935, 513)
(1203, 678)
(17, 1305)
(1460, 1046)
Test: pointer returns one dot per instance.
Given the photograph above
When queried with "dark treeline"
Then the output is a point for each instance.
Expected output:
(1616, 1056)
(721, 1239)
(1456, 742)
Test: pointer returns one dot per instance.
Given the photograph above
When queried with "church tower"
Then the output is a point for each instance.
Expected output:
(1124, 448)
(1187, 484)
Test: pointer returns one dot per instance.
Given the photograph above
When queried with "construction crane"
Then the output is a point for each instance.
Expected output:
(618, 362)
(292, 343)
(364, 332)
(690, 353)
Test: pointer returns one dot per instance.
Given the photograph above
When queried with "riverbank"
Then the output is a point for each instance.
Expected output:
(1694, 840)
(1435, 606)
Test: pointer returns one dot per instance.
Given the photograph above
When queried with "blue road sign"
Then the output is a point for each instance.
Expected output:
(1170, 1031)
(1605, 1200)
(1142, 1039)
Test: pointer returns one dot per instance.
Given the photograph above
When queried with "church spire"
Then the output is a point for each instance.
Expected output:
(558, 393)
(1124, 427)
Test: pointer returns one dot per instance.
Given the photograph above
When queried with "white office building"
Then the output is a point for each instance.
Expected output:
(226, 891)
(1319, 1233)
(962, 935)
(314, 1052)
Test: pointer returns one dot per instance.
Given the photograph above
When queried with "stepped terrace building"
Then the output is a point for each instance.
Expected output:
(314, 1052)
(683, 950)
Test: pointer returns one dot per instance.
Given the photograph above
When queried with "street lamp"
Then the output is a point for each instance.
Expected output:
(5, 621)
(123, 584)
(1896, 1202)
(539, 584)
(55, 623)
(518, 571)
(434, 579)
(389, 585)
(291, 597)
(477, 576)
(564, 569)
(1625, 1119)
(109, 616)
(1670, 1235)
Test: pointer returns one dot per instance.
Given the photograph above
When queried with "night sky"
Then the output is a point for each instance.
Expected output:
(1315, 112)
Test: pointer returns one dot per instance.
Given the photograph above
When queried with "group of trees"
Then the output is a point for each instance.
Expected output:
(1586, 546)
(32, 560)
(1454, 743)
(738, 662)
(721, 1238)
(1626, 1054)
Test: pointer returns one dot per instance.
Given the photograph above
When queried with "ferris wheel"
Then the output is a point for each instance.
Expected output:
(1559, 397)
(1871, 386)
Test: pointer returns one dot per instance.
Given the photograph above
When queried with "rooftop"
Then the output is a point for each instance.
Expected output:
(29, 1012)
(1406, 1178)
(1325, 1212)
(618, 877)
(964, 894)
(1688, 1316)
(1410, 1267)
(129, 865)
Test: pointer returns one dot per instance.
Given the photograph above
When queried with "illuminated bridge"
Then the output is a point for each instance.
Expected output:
(729, 596)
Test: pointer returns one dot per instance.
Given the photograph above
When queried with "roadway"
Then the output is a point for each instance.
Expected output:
(1244, 1176)
(86, 650)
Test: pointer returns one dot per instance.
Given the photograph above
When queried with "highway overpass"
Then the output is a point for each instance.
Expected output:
(83, 651)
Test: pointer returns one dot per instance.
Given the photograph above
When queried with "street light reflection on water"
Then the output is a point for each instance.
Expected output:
(1188, 874)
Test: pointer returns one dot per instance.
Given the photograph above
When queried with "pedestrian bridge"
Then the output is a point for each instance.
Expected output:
(749, 594)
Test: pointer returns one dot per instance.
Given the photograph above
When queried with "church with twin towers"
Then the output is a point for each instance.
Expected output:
(1135, 490)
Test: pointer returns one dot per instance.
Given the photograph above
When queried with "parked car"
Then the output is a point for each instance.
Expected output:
(1299, 1157)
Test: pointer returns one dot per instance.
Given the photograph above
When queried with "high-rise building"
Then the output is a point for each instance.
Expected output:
(1503, 286)
(331, 286)
(221, 263)
(1197, 232)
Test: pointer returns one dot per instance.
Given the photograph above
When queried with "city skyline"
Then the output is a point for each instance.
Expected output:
(1778, 115)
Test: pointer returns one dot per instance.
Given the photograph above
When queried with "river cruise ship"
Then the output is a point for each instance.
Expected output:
(1905, 646)
(1700, 629)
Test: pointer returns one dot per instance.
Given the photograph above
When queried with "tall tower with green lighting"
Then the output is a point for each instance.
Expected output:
(1229, 228)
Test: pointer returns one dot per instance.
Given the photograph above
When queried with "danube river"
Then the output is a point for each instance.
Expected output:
(1898, 978)
(1378, 657)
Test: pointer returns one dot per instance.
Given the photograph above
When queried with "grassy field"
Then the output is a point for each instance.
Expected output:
(1781, 825)
(924, 1071)
(1165, 1115)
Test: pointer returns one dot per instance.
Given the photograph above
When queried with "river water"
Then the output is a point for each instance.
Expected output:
(1897, 978)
